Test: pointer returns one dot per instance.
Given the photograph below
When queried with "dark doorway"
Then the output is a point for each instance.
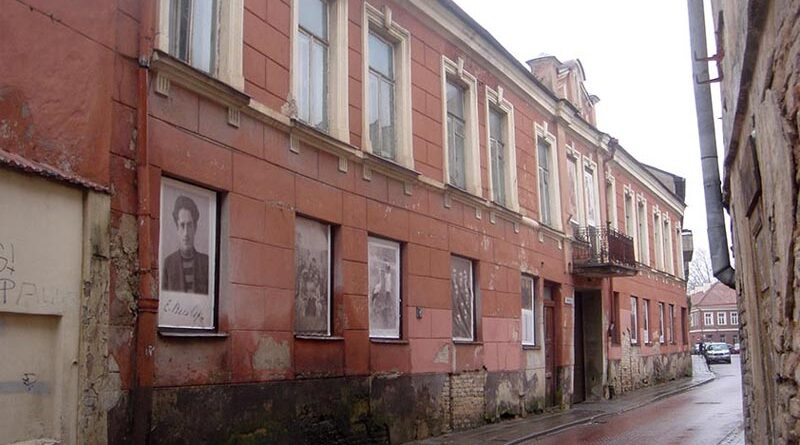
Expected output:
(578, 371)
(549, 353)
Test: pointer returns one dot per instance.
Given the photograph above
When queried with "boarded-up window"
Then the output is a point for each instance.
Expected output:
(463, 294)
(528, 310)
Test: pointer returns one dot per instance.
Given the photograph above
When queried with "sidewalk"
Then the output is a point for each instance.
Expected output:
(519, 430)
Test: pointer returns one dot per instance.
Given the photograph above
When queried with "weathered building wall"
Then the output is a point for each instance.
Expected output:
(760, 120)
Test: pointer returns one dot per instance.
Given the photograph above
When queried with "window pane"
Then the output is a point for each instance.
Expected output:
(591, 209)
(495, 125)
(455, 100)
(179, 29)
(499, 172)
(527, 293)
(381, 56)
(314, 17)
(386, 111)
(318, 74)
(312, 277)
(203, 15)
(572, 173)
(303, 75)
(384, 285)
(455, 146)
(461, 289)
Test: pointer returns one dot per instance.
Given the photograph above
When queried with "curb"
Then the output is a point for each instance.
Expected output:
(596, 417)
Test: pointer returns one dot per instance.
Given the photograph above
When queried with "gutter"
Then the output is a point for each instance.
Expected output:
(147, 304)
(715, 218)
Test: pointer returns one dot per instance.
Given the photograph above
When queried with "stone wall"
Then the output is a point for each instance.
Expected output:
(761, 98)
(634, 370)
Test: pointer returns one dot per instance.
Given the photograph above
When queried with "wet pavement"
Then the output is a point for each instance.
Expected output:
(698, 410)
(705, 415)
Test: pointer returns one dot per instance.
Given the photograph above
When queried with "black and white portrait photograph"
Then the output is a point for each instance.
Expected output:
(187, 255)
(463, 299)
(312, 277)
(384, 288)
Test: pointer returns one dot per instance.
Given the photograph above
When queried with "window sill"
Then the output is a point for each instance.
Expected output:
(467, 342)
(531, 347)
(190, 334)
(635, 344)
(390, 167)
(318, 337)
(198, 81)
(388, 341)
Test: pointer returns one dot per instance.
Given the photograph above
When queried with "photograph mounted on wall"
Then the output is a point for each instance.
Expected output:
(463, 298)
(312, 277)
(384, 288)
(187, 256)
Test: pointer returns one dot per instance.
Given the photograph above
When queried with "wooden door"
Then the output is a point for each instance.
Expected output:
(549, 354)
(578, 379)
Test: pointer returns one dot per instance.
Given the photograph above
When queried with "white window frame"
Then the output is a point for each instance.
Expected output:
(374, 331)
(635, 319)
(529, 322)
(495, 99)
(646, 321)
(328, 283)
(722, 318)
(338, 121)
(658, 239)
(589, 165)
(661, 337)
(630, 218)
(708, 319)
(541, 130)
(380, 22)
(611, 201)
(573, 156)
(734, 318)
(229, 40)
(671, 326)
(666, 233)
(679, 253)
(642, 235)
(472, 165)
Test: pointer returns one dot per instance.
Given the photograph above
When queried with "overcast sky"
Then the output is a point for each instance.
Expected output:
(637, 60)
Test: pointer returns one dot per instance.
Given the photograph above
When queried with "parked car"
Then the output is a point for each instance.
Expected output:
(735, 349)
(718, 353)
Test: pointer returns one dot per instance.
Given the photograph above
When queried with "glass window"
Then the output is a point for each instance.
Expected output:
(646, 321)
(312, 63)
(657, 242)
(634, 320)
(381, 96)
(641, 233)
(589, 194)
(572, 175)
(456, 135)
(543, 149)
(312, 277)
(528, 310)
(708, 319)
(666, 235)
(192, 32)
(463, 294)
(672, 323)
(734, 318)
(721, 318)
(384, 288)
(661, 337)
(497, 144)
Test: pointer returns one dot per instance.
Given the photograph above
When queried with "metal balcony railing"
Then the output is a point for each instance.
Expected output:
(603, 252)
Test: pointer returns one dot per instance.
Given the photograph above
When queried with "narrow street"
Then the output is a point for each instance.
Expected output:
(707, 414)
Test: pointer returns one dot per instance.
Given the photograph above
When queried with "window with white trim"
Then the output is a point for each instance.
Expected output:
(460, 103)
(387, 87)
(502, 149)
(657, 240)
(646, 321)
(547, 169)
(634, 320)
(630, 219)
(206, 34)
(734, 318)
(319, 85)
(528, 310)
(611, 201)
(462, 291)
(669, 266)
(672, 323)
(708, 319)
(641, 230)
(661, 322)
(721, 318)
(592, 210)
(313, 272)
(574, 186)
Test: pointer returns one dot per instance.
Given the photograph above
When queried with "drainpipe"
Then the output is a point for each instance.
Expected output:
(715, 218)
(147, 304)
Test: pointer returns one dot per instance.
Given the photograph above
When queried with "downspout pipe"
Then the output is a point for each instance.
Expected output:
(147, 304)
(715, 218)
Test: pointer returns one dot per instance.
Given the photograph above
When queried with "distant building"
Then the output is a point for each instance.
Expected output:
(714, 316)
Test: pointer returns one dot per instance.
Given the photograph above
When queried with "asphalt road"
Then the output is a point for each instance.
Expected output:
(706, 415)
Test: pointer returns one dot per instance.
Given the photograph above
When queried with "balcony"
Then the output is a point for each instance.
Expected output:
(602, 253)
